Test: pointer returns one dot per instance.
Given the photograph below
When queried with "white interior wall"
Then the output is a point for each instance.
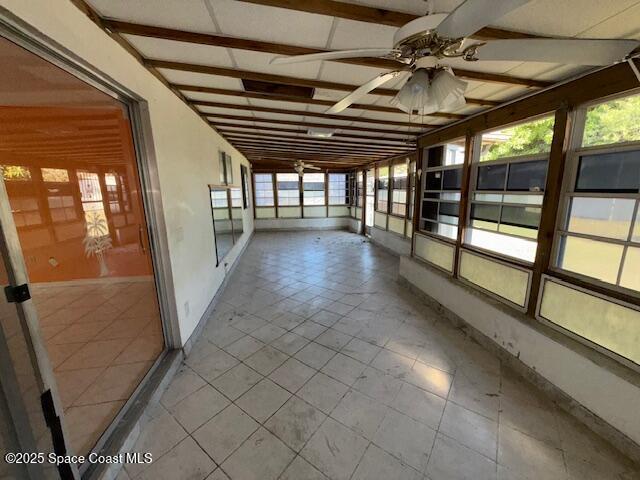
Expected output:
(601, 390)
(186, 153)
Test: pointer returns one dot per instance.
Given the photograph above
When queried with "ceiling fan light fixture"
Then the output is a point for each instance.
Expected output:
(321, 132)
(426, 95)
(447, 90)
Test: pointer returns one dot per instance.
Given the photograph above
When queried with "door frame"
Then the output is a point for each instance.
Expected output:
(24, 35)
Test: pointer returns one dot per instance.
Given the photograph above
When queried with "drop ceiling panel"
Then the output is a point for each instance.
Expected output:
(280, 116)
(278, 104)
(189, 15)
(223, 111)
(259, 62)
(349, 112)
(330, 121)
(271, 24)
(212, 97)
(201, 79)
(416, 7)
(239, 123)
(352, 34)
(352, 74)
(183, 52)
(625, 24)
(562, 18)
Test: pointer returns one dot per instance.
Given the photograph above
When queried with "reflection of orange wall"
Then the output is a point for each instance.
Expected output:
(51, 210)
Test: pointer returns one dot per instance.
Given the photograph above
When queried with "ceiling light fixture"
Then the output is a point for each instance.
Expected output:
(430, 91)
(320, 132)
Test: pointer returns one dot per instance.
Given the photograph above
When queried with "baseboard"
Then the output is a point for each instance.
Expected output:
(186, 348)
(304, 229)
(567, 403)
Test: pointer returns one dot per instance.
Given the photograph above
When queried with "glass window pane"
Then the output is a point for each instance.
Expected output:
(522, 248)
(526, 199)
(487, 197)
(636, 227)
(452, 179)
(489, 213)
(631, 270)
(526, 217)
(491, 177)
(613, 122)
(609, 172)
(450, 209)
(591, 258)
(528, 138)
(527, 176)
(449, 231)
(430, 210)
(604, 217)
(434, 181)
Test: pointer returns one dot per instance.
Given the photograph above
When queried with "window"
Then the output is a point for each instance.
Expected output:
(399, 184)
(338, 189)
(91, 197)
(412, 188)
(313, 186)
(599, 236)
(15, 172)
(264, 189)
(382, 186)
(506, 197)
(359, 189)
(226, 169)
(442, 180)
(55, 175)
(245, 186)
(288, 189)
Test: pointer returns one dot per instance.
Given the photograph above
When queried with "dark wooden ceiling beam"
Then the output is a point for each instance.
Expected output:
(319, 140)
(310, 101)
(304, 124)
(284, 49)
(233, 127)
(304, 113)
(363, 13)
(314, 149)
(303, 82)
(311, 152)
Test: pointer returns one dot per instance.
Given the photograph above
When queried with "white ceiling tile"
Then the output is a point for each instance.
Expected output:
(223, 111)
(352, 34)
(212, 97)
(351, 74)
(160, 49)
(562, 18)
(271, 24)
(349, 112)
(201, 79)
(279, 116)
(259, 62)
(625, 24)
(189, 15)
(327, 121)
(239, 123)
(416, 7)
(278, 104)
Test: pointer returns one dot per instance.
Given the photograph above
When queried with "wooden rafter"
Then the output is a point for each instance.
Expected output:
(309, 101)
(283, 111)
(305, 124)
(319, 140)
(284, 49)
(363, 13)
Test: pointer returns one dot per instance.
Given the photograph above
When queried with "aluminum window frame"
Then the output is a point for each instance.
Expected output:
(257, 191)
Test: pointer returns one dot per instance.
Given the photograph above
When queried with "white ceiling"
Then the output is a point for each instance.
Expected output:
(570, 18)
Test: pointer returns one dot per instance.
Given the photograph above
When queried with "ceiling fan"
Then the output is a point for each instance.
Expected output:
(299, 167)
(425, 44)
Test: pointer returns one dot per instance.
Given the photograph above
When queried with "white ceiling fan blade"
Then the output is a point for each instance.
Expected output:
(361, 91)
(472, 15)
(567, 50)
(311, 167)
(337, 55)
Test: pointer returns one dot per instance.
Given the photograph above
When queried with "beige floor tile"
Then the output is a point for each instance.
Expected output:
(236, 381)
(268, 333)
(244, 348)
(471, 430)
(426, 407)
(301, 469)
(430, 379)
(315, 355)
(295, 422)
(199, 407)
(343, 368)
(184, 461)
(263, 400)
(261, 457)
(333, 339)
(95, 354)
(72, 383)
(323, 392)
(450, 459)
(114, 383)
(360, 413)
(86, 423)
(266, 360)
(289, 343)
(361, 351)
(213, 364)
(335, 450)
(378, 385)
(292, 375)
(393, 363)
(184, 383)
(406, 439)
(376, 464)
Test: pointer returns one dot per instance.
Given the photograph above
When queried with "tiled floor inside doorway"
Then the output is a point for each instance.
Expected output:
(318, 365)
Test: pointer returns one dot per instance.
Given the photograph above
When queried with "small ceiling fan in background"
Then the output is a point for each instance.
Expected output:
(425, 44)
(299, 166)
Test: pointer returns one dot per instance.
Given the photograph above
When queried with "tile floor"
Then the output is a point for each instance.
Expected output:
(317, 365)
(102, 338)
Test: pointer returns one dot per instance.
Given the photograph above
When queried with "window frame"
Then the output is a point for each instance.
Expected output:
(277, 190)
(256, 190)
(475, 164)
(347, 186)
(575, 151)
(377, 188)
(406, 189)
(324, 191)
(423, 189)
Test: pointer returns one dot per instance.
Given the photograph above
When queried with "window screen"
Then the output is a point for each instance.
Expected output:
(288, 189)
(338, 189)
(313, 188)
(264, 189)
